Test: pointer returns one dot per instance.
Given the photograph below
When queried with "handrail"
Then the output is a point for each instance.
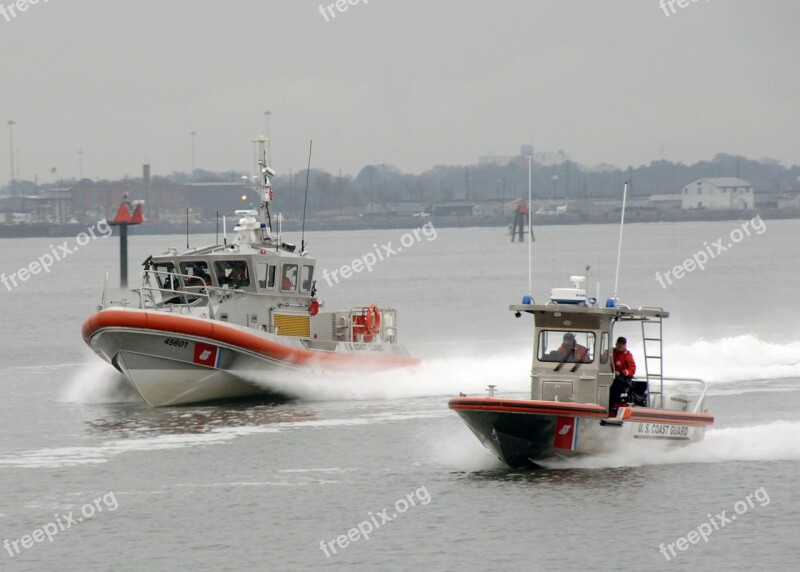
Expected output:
(204, 291)
(200, 291)
(693, 379)
(387, 333)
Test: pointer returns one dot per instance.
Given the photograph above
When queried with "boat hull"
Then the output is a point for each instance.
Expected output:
(524, 433)
(163, 382)
(179, 360)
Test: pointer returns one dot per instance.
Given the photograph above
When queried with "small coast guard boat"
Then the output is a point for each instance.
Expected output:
(210, 320)
(568, 413)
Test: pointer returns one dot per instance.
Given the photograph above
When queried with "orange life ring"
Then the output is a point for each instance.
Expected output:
(373, 321)
(313, 308)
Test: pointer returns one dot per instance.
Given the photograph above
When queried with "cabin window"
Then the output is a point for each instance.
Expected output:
(604, 348)
(233, 273)
(289, 278)
(266, 275)
(305, 278)
(163, 271)
(197, 271)
(566, 346)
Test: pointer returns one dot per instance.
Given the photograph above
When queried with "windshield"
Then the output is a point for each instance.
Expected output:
(564, 346)
(196, 273)
(163, 271)
(233, 273)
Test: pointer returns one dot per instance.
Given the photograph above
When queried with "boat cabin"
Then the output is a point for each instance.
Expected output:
(267, 288)
(573, 345)
(258, 281)
(270, 273)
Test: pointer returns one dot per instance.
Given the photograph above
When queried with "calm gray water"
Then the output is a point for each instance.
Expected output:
(261, 486)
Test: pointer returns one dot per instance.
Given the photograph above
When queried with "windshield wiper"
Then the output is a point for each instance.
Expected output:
(563, 361)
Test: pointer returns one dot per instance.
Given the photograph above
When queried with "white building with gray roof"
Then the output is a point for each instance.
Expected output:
(718, 193)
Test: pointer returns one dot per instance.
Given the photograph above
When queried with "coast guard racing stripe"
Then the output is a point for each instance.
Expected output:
(566, 436)
(205, 354)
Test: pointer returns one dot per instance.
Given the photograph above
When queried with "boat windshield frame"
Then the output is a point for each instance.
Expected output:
(553, 338)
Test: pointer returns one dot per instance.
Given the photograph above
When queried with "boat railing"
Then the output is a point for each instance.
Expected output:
(168, 291)
(389, 325)
(699, 405)
(352, 326)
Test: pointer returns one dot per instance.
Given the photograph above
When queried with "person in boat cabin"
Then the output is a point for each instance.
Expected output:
(236, 276)
(199, 276)
(572, 351)
(624, 370)
(239, 273)
(289, 277)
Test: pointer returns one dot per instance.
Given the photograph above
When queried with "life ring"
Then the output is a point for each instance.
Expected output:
(313, 308)
(373, 321)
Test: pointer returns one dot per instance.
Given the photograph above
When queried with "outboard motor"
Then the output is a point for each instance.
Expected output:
(674, 401)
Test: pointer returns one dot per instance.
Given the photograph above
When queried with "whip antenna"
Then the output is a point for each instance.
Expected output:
(619, 248)
(530, 225)
(305, 200)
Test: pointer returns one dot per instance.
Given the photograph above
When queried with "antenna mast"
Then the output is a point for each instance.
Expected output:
(619, 248)
(530, 226)
(265, 172)
(305, 200)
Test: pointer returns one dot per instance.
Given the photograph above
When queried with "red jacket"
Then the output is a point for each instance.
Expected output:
(578, 353)
(623, 363)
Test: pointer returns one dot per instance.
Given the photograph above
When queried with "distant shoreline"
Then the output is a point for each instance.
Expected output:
(633, 215)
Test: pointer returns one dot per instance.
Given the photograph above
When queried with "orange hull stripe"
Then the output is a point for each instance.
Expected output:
(578, 413)
(674, 417)
(528, 406)
(222, 333)
(589, 410)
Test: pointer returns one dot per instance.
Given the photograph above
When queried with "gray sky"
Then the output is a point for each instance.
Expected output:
(411, 83)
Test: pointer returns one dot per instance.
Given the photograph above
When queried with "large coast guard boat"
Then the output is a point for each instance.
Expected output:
(211, 319)
(569, 413)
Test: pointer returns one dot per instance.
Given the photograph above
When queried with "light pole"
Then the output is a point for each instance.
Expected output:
(192, 134)
(80, 165)
(11, 149)
(269, 144)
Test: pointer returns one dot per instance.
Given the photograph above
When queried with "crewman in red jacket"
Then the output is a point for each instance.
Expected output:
(623, 359)
(624, 370)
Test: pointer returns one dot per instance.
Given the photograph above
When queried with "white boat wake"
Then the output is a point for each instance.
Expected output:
(445, 376)
(732, 359)
(98, 382)
(724, 363)
(758, 443)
